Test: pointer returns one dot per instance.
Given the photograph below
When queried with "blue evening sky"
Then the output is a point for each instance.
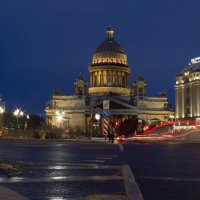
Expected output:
(45, 44)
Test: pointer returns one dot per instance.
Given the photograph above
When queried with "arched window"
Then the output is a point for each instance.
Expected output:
(80, 91)
(140, 92)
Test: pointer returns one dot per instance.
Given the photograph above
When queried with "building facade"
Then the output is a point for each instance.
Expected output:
(187, 91)
(109, 81)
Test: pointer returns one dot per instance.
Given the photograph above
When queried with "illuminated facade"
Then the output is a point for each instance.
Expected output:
(109, 80)
(109, 70)
(187, 91)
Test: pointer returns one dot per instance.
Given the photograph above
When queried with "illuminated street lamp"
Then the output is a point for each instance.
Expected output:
(18, 113)
(97, 116)
(60, 117)
(2, 110)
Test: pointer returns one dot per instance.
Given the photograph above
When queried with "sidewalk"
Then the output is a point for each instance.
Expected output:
(7, 194)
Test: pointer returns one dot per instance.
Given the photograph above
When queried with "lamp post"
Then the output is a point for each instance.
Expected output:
(18, 113)
(26, 122)
(97, 116)
(2, 110)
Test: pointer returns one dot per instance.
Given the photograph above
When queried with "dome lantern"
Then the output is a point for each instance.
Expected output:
(109, 32)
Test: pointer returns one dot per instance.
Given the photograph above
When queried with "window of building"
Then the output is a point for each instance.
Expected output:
(140, 92)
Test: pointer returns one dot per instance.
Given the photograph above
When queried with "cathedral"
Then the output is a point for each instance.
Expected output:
(109, 90)
(187, 91)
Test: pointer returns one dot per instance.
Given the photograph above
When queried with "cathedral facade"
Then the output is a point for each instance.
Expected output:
(187, 91)
(109, 82)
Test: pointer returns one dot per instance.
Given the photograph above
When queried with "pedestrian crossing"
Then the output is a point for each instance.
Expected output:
(81, 178)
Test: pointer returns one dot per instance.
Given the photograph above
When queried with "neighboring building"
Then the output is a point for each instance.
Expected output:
(187, 91)
(109, 80)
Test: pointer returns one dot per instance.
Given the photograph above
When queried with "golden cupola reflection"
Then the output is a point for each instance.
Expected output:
(109, 70)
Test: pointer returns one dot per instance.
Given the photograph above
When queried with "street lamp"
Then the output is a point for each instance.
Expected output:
(18, 113)
(2, 110)
(60, 117)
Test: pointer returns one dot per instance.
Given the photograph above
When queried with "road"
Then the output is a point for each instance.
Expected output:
(60, 170)
(169, 171)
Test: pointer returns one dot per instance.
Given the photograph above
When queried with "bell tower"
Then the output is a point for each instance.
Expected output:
(80, 87)
(139, 87)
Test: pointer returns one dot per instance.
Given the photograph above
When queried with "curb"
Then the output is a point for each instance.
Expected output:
(132, 188)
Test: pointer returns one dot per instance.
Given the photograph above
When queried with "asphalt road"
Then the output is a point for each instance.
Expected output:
(168, 171)
(58, 170)
(61, 171)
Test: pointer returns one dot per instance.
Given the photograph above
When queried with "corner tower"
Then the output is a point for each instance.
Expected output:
(109, 70)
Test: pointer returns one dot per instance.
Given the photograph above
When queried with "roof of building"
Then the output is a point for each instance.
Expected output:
(193, 66)
(140, 78)
(109, 45)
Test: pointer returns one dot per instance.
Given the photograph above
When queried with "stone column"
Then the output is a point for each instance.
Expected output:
(198, 100)
(90, 79)
(119, 78)
(93, 77)
(111, 78)
(191, 103)
(105, 78)
(101, 78)
(178, 103)
(194, 100)
(108, 78)
(98, 78)
(123, 79)
(183, 102)
(125, 76)
(114, 78)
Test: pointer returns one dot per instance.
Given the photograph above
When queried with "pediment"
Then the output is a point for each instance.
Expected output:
(115, 104)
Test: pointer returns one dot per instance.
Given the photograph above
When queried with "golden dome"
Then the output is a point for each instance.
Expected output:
(109, 70)
(109, 51)
(109, 45)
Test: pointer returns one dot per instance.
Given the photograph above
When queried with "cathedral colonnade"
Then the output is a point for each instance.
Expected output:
(109, 78)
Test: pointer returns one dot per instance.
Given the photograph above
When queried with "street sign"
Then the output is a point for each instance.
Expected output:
(106, 104)
(105, 113)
